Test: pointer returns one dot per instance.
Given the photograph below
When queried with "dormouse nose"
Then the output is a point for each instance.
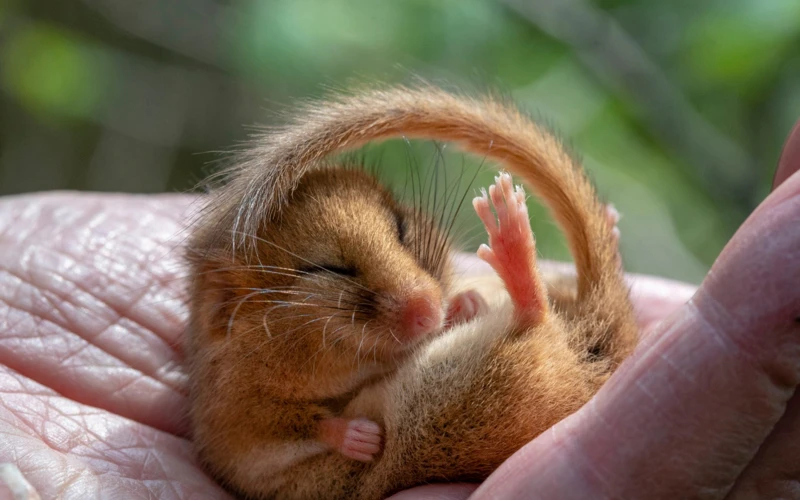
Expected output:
(409, 297)
(421, 313)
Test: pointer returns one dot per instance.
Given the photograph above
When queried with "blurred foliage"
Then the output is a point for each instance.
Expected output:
(678, 108)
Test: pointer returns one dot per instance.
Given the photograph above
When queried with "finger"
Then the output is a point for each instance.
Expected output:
(684, 415)
(789, 162)
(775, 470)
(484, 211)
(655, 299)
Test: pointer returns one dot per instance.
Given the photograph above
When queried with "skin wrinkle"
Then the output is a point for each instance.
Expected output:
(144, 266)
(736, 348)
(781, 294)
(707, 393)
(73, 263)
(687, 377)
(141, 266)
(166, 482)
(567, 453)
(20, 420)
(32, 299)
(58, 435)
(133, 380)
(121, 314)
(84, 427)
(128, 384)
(69, 356)
(22, 232)
(26, 419)
(640, 385)
(33, 467)
(775, 472)
(55, 309)
(7, 326)
(8, 286)
(132, 462)
(658, 342)
(119, 318)
(121, 311)
(80, 429)
(594, 471)
(81, 476)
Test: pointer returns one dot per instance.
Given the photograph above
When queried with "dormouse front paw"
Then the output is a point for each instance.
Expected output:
(466, 306)
(357, 438)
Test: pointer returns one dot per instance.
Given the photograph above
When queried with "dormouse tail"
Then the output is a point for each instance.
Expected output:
(487, 126)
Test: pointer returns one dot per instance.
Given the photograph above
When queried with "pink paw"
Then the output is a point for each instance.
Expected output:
(362, 440)
(511, 251)
(465, 306)
(356, 438)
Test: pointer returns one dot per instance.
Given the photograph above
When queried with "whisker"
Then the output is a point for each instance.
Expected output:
(266, 327)
(325, 329)
(235, 311)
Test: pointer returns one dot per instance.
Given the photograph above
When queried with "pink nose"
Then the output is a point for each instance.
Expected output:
(422, 315)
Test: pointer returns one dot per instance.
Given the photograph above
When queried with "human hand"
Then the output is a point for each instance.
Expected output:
(93, 393)
(92, 388)
(705, 407)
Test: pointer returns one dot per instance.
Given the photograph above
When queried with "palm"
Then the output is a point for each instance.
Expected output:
(91, 318)
(91, 379)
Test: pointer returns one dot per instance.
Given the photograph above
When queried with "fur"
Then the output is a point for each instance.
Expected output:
(463, 402)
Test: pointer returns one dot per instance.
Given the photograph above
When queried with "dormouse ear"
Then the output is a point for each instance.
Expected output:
(511, 251)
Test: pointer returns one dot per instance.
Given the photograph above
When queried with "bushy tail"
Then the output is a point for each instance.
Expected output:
(264, 176)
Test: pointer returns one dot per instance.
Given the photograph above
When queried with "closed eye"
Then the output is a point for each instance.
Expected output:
(351, 272)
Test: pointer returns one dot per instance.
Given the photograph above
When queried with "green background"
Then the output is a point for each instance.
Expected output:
(678, 108)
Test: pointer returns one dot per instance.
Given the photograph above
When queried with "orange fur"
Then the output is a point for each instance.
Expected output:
(466, 400)
(274, 349)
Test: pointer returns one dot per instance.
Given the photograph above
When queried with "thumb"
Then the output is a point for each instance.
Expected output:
(688, 411)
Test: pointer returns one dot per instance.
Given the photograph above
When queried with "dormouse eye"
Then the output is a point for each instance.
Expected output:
(351, 272)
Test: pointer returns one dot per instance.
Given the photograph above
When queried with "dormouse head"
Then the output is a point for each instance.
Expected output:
(344, 265)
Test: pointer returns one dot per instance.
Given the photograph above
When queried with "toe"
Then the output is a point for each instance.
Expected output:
(484, 211)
